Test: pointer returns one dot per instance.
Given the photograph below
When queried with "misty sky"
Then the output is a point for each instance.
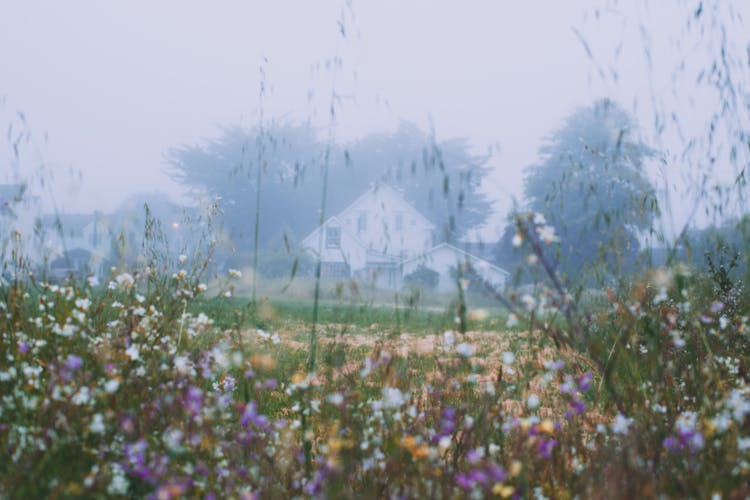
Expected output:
(114, 85)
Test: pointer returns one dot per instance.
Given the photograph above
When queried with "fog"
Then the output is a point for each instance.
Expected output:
(104, 92)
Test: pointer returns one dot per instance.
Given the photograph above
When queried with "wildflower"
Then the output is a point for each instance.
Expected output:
(584, 381)
(532, 401)
(529, 301)
(119, 484)
(393, 397)
(183, 365)
(73, 362)
(182, 258)
(738, 405)
(546, 446)
(250, 415)
(235, 273)
(554, 366)
(465, 350)
(82, 397)
(512, 320)
(547, 234)
(517, 240)
(132, 352)
(508, 358)
(111, 386)
(335, 398)
(448, 339)
(97, 424)
(124, 280)
(82, 304)
(621, 425)
(194, 400)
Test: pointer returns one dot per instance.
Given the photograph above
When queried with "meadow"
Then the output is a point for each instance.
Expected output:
(155, 384)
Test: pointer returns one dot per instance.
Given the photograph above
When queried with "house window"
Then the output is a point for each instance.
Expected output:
(333, 237)
(334, 270)
(362, 222)
(399, 221)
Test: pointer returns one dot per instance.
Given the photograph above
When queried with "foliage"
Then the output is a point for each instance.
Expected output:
(441, 180)
(130, 389)
(423, 277)
(591, 189)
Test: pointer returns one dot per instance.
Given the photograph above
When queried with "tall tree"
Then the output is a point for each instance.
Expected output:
(590, 186)
(442, 180)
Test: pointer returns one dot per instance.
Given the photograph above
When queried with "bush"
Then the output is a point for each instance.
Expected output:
(423, 277)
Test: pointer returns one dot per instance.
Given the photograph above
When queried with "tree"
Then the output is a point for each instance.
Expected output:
(227, 168)
(442, 180)
(590, 187)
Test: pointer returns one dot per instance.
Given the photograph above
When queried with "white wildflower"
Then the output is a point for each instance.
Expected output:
(133, 352)
(393, 397)
(465, 350)
(512, 320)
(82, 397)
(621, 425)
(532, 401)
(83, 304)
(97, 424)
(111, 386)
(125, 280)
(448, 339)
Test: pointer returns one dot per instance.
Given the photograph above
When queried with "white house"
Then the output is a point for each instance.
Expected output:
(380, 238)
(445, 259)
(78, 243)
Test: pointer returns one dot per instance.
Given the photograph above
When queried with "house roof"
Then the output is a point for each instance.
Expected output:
(463, 253)
(67, 223)
(374, 188)
(9, 195)
(310, 242)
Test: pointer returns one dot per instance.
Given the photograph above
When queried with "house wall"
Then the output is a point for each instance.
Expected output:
(444, 258)
(381, 208)
(350, 250)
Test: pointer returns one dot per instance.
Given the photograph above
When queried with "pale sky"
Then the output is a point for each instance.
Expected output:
(113, 85)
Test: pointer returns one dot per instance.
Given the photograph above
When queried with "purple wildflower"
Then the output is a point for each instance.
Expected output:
(464, 481)
(194, 400)
(478, 476)
(251, 416)
(496, 472)
(546, 446)
(584, 381)
(73, 362)
(577, 406)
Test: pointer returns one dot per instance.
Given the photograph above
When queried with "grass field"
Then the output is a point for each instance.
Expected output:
(143, 387)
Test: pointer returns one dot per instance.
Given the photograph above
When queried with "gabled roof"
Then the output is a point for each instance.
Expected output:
(67, 223)
(405, 205)
(312, 243)
(464, 254)
(10, 194)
